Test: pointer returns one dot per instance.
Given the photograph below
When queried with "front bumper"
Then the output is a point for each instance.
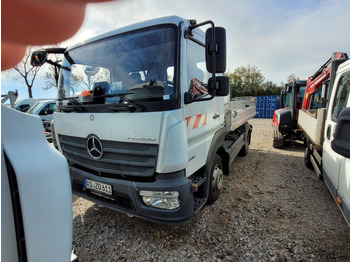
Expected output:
(125, 196)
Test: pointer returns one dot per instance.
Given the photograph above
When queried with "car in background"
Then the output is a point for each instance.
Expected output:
(43, 109)
(24, 104)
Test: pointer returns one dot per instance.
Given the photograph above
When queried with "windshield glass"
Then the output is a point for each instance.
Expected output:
(35, 107)
(289, 99)
(136, 67)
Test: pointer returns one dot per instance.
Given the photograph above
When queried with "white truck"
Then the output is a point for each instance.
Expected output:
(327, 137)
(146, 128)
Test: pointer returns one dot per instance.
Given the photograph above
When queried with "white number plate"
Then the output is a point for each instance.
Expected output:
(97, 186)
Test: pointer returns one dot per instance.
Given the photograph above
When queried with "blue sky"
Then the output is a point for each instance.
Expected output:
(279, 37)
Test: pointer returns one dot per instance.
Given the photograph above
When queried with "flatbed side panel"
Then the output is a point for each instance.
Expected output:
(312, 122)
(240, 111)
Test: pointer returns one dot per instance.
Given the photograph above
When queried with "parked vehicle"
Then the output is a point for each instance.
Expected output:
(144, 128)
(320, 82)
(36, 200)
(24, 104)
(44, 109)
(285, 120)
(327, 135)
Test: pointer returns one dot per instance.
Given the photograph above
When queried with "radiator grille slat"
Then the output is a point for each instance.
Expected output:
(119, 158)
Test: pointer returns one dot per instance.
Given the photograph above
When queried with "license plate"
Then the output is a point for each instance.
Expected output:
(97, 186)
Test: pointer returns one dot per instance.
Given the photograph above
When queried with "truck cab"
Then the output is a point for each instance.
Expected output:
(336, 143)
(327, 136)
(145, 119)
(285, 120)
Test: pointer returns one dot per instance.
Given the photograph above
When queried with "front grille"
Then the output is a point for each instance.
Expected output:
(119, 158)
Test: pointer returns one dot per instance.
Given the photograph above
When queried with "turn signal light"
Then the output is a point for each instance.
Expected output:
(339, 201)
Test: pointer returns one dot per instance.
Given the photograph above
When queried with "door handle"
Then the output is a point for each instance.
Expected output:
(216, 115)
(328, 134)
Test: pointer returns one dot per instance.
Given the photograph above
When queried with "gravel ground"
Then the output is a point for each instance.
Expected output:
(272, 208)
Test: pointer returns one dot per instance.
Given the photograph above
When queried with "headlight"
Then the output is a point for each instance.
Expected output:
(160, 199)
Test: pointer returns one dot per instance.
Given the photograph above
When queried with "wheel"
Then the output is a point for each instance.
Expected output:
(307, 154)
(216, 176)
(278, 141)
(245, 148)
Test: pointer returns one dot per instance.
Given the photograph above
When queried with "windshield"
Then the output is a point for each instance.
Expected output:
(133, 68)
(35, 107)
(289, 101)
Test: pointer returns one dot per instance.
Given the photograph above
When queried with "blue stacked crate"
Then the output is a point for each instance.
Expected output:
(266, 105)
(260, 107)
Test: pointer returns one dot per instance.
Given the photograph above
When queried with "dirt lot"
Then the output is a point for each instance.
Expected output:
(272, 208)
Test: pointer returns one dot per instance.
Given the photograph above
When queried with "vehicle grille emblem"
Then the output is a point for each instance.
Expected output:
(94, 147)
(92, 117)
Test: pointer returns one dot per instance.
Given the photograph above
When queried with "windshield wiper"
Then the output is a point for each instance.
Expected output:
(74, 102)
(124, 98)
(133, 103)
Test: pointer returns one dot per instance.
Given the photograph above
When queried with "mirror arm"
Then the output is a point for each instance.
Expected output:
(55, 64)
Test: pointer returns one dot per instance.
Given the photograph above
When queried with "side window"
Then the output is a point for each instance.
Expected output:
(44, 110)
(197, 75)
(342, 96)
(52, 108)
(23, 108)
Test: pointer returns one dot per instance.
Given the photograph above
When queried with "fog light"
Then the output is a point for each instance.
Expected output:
(161, 199)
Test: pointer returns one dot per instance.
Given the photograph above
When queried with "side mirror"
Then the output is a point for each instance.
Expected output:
(215, 52)
(38, 58)
(222, 86)
(188, 98)
(341, 141)
(282, 98)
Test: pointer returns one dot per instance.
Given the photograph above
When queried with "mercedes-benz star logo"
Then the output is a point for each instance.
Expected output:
(94, 147)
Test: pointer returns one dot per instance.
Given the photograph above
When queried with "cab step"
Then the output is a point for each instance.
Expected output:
(198, 203)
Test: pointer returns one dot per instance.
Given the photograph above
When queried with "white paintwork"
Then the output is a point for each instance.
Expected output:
(312, 122)
(44, 187)
(335, 166)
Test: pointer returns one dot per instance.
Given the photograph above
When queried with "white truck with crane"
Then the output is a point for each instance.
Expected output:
(327, 127)
(147, 125)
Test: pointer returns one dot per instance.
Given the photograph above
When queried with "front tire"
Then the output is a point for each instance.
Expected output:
(216, 176)
(278, 141)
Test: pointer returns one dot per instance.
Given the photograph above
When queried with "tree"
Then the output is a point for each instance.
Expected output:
(291, 77)
(271, 88)
(246, 80)
(52, 73)
(26, 71)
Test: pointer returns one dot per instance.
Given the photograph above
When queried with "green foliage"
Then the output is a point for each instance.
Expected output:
(249, 81)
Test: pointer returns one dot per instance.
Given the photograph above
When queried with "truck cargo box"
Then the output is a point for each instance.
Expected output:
(312, 122)
(240, 109)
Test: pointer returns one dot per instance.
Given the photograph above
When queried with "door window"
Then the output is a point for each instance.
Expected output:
(48, 109)
(342, 96)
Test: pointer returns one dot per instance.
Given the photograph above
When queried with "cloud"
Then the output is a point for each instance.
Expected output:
(279, 37)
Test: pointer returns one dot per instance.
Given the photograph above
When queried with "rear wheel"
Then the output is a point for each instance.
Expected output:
(216, 176)
(307, 154)
(245, 148)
